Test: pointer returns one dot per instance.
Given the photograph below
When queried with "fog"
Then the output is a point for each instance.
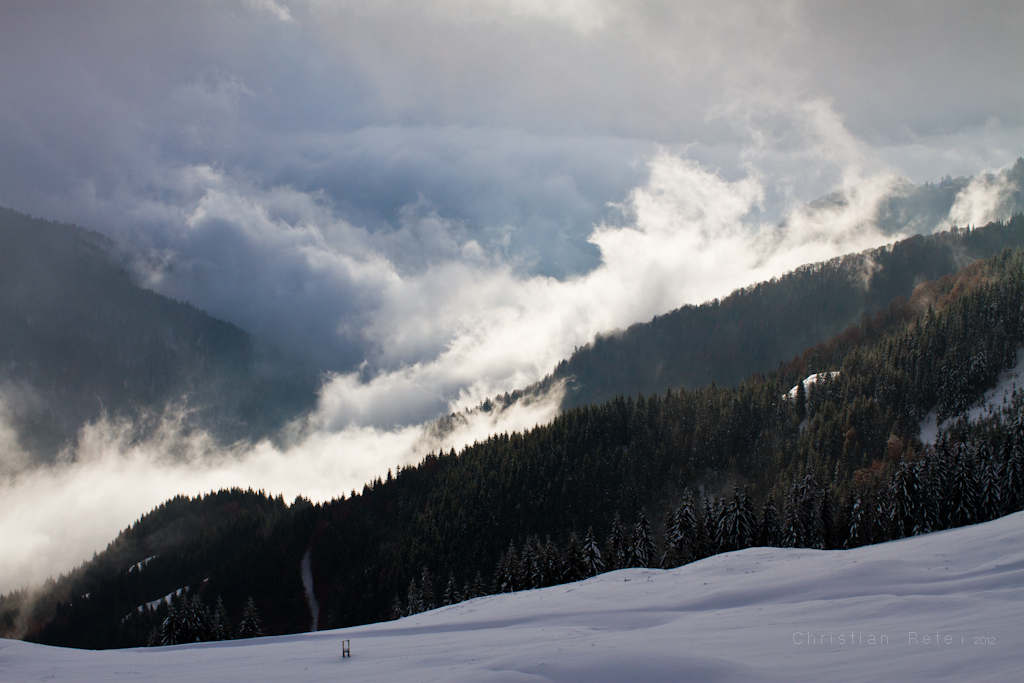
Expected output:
(434, 203)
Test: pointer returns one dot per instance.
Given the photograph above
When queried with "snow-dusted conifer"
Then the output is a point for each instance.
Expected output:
(824, 529)
(859, 530)
(249, 626)
(396, 611)
(746, 521)
(963, 498)
(170, 628)
(507, 576)
(1013, 471)
(693, 545)
(708, 529)
(413, 598)
(903, 492)
(451, 592)
(768, 531)
(989, 480)
(530, 565)
(476, 589)
(220, 626)
(616, 545)
(594, 562)
(574, 566)
(643, 541)
(551, 563)
(427, 589)
(674, 541)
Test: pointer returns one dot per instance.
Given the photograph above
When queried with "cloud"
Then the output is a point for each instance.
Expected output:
(112, 477)
(985, 199)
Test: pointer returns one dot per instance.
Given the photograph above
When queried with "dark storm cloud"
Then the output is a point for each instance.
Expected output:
(243, 145)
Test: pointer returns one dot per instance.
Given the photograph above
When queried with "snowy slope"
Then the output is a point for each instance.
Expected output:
(744, 616)
(998, 399)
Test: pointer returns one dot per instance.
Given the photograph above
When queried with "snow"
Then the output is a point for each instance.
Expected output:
(137, 567)
(153, 604)
(307, 586)
(808, 381)
(993, 401)
(741, 616)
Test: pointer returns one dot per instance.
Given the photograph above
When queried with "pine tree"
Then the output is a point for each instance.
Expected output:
(574, 567)
(792, 529)
(427, 590)
(451, 592)
(728, 524)
(505, 580)
(396, 611)
(746, 521)
(963, 499)
(551, 563)
(220, 625)
(476, 589)
(616, 546)
(530, 566)
(594, 563)
(825, 520)
(643, 541)
(196, 620)
(249, 626)
(690, 530)
(1013, 471)
(708, 529)
(768, 531)
(170, 628)
(674, 542)
(859, 531)
(413, 598)
(903, 491)
(989, 481)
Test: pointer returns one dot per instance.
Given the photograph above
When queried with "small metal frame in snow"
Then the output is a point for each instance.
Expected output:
(346, 649)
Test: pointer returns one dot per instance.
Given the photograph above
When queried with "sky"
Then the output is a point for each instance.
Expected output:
(434, 202)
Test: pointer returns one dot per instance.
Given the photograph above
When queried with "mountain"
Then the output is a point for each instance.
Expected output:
(938, 607)
(753, 329)
(79, 339)
(662, 480)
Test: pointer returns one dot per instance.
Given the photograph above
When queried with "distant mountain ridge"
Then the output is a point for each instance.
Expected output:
(79, 339)
(755, 329)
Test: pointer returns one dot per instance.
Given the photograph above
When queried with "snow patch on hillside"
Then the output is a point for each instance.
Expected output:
(809, 381)
(137, 567)
(153, 604)
(307, 585)
(995, 400)
(947, 606)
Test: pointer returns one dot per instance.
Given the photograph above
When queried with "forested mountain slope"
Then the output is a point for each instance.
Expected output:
(652, 481)
(79, 339)
(753, 329)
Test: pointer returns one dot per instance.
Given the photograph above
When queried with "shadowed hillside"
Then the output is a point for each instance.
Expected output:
(79, 340)
(754, 329)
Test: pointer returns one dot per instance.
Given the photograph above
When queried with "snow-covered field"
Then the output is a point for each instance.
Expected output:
(948, 606)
